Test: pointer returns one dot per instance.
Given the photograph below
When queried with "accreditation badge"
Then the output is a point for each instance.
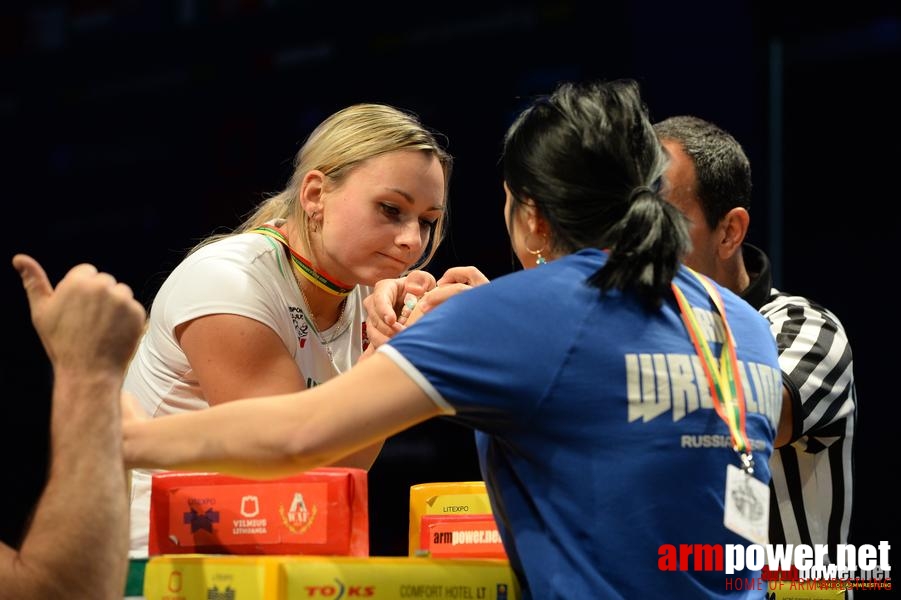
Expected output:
(747, 510)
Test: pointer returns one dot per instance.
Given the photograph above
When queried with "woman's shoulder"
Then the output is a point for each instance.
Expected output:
(242, 248)
(228, 257)
(234, 243)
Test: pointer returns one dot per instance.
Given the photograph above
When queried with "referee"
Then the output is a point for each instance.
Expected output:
(709, 179)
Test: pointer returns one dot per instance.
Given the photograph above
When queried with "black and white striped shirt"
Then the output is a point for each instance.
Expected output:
(811, 488)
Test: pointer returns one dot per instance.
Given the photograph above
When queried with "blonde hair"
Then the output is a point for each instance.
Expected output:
(338, 144)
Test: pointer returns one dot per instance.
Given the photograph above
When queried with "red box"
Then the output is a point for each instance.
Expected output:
(321, 512)
(461, 536)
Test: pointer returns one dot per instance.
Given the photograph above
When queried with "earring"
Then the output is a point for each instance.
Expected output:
(539, 260)
(314, 224)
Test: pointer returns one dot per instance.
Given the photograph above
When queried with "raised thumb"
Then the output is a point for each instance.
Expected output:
(34, 279)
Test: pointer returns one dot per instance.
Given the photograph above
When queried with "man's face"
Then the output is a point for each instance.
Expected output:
(680, 189)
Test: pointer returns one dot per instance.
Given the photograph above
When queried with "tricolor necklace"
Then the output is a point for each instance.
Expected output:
(320, 279)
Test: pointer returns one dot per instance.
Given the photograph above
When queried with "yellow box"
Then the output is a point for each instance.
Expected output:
(201, 577)
(395, 578)
(450, 499)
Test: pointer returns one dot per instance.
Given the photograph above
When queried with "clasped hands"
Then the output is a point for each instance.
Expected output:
(395, 304)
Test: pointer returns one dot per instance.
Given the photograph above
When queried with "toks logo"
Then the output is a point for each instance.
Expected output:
(339, 591)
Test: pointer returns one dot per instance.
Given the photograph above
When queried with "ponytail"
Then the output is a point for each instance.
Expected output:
(647, 245)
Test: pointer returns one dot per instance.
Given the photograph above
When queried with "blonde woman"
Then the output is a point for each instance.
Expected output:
(276, 306)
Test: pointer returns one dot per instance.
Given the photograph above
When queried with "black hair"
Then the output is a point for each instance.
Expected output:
(588, 157)
(722, 169)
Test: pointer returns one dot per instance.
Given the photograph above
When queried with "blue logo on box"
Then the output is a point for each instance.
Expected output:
(200, 521)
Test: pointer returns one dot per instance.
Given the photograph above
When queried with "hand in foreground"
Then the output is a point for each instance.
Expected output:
(390, 302)
(89, 322)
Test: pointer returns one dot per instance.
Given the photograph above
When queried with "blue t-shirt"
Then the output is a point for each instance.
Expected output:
(594, 423)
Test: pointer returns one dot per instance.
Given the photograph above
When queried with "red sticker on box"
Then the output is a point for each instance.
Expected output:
(228, 514)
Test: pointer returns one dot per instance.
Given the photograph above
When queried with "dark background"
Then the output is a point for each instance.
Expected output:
(131, 130)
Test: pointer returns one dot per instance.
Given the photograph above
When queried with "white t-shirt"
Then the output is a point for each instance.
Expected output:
(248, 275)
